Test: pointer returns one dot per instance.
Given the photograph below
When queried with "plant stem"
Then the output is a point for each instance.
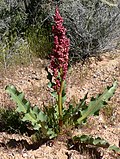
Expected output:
(60, 104)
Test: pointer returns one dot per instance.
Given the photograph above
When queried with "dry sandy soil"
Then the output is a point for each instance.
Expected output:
(92, 77)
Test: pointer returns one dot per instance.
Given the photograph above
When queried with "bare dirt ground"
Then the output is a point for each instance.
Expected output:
(92, 77)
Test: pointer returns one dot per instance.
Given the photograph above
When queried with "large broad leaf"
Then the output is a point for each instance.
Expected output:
(97, 103)
(41, 117)
(114, 148)
(30, 117)
(51, 133)
(71, 114)
(34, 115)
(87, 139)
(96, 141)
(18, 97)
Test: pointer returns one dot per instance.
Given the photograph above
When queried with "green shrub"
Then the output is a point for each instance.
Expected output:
(39, 41)
(93, 26)
(18, 38)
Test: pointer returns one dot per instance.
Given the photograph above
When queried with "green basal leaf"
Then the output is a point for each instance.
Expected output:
(114, 148)
(41, 117)
(36, 110)
(87, 139)
(18, 97)
(67, 113)
(99, 142)
(82, 105)
(51, 133)
(34, 115)
(72, 113)
(84, 138)
(29, 117)
(97, 103)
(37, 126)
(21, 96)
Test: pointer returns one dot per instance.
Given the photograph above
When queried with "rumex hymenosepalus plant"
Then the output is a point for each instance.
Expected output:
(50, 121)
(59, 60)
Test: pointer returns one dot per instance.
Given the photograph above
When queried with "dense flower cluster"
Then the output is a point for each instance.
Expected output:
(59, 56)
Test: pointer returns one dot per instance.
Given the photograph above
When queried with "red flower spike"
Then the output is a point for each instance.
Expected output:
(59, 56)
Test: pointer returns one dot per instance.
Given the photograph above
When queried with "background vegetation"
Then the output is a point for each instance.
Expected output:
(25, 28)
